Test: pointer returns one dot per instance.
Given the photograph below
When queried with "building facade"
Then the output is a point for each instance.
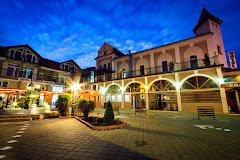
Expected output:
(179, 76)
(21, 65)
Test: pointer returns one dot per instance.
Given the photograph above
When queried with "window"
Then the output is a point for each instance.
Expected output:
(142, 70)
(126, 98)
(109, 65)
(12, 70)
(92, 76)
(113, 98)
(33, 59)
(66, 68)
(107, 98)
(119, 98)
(27, 73)
(164, 66)
(57, 89)
(18, 55)
(104, 66)
(100, 67)
(219, 49)
(29, 58)
(41, 74)
(194, 62)
(3, 83)
(124, 74)
(54, 76)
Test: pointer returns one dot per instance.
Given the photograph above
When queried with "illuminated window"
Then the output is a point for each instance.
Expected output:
(119, 98)
(3, 83)
(113, 98)
(126, 98)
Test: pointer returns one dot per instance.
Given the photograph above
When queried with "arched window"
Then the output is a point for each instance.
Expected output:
(164, 66)
(113, 89)
(161, 85)
(194, 62)
(135, 87)
(199, 82)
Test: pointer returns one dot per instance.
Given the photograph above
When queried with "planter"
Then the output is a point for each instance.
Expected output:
(100, 128)
(33, 109)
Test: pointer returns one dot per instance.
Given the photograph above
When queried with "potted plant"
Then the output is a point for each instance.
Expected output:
(171, 66)
(206, 60)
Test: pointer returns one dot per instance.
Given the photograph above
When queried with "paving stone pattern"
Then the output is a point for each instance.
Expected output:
(158, 135)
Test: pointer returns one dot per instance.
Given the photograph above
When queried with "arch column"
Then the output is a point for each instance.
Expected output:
(179, 100)
(146, 93)
(222, 92)
(123, 97)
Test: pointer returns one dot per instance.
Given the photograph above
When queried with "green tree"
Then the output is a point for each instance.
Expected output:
(63, 102)
(108, 115)
(85, 107)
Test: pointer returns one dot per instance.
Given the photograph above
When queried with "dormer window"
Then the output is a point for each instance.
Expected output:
(29, 58)
(66, 68)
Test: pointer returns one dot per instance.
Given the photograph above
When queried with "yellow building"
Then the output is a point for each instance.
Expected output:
(21, 65)
(179, 76)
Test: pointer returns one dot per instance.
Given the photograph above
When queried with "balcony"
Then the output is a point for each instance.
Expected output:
(17, 75)
(189, 65)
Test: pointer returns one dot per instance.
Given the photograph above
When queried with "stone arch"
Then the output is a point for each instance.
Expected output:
(113, 84)
(141, 62)
(122, 66)
(142, 88)
(162, 84)
(164, 57)
(200, 85)
(193, 51)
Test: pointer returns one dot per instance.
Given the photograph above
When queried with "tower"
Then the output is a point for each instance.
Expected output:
(208, 23)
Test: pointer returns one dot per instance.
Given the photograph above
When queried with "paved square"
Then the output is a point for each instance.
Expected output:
(159, 135)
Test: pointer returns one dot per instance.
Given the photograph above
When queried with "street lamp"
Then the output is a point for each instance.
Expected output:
(74, 87)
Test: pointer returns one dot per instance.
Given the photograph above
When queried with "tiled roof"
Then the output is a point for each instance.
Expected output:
(49, 63)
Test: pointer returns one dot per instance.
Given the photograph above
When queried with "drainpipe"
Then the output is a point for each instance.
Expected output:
(131, 65)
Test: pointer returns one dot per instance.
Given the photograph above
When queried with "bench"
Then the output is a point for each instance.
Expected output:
(205, 111)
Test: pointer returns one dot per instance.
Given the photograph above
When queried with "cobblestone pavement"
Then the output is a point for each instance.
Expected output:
(158, 135)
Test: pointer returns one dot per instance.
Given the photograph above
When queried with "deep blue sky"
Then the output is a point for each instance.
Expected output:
(75, 29)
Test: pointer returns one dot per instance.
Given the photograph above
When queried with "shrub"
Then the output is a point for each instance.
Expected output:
(85, 107)
(63, 102)
(108, 115)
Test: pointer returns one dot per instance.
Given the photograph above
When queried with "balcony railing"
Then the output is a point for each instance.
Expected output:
(189, 65)
(15, 74)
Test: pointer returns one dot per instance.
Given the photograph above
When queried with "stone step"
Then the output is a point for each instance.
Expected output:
(15, 119)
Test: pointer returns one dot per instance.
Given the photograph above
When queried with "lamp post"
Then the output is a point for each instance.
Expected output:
(74, 88)
(31, 91)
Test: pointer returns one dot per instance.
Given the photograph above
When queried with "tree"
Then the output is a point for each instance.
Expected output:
(85, 106)
(108, 115)
(206, 60)
(63, 102)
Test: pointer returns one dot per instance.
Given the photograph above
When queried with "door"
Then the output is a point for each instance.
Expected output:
(142, 70)
(194, 62)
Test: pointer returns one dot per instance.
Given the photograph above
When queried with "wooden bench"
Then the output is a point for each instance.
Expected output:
(205, 111)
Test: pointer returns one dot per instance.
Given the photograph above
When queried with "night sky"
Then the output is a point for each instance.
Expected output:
(75, 29)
